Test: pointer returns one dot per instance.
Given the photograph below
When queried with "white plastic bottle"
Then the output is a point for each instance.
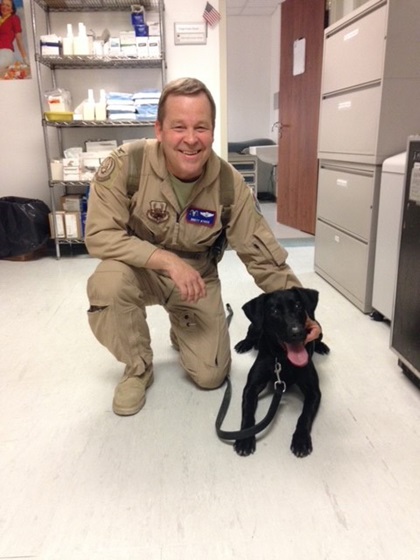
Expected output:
(68, 41)
(81, 42)
(89, 107)
(100, 107)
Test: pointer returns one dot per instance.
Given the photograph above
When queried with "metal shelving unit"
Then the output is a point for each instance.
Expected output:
(42, 14)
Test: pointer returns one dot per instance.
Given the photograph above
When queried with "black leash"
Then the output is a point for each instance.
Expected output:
(279, 389)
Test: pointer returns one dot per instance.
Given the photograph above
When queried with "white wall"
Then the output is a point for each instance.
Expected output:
(23, 169)
(253, 62)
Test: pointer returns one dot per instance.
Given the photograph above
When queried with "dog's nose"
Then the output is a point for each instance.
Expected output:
(296, 332)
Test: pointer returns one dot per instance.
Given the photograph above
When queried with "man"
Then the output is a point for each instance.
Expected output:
(156, 246)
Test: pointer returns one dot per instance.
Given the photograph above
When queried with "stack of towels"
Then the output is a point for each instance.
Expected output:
(146, 103)
(140, 106)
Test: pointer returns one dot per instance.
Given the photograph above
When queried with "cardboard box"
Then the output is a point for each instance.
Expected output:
(154, 47)
(154, 28)
(59, 232)
(128, 43)
(101, 145)
(73, 224)
(71, 169)
(114, 46)
(71, 202)
(137, 15)
(143, 47)
(141, 30)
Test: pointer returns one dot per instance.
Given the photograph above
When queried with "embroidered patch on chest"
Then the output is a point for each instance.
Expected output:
(158, 212)
(201, 217)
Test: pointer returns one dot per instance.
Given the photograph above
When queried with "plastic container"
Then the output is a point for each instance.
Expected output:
(89, 107)
(68, 41)
(81, 42)
(100, 107)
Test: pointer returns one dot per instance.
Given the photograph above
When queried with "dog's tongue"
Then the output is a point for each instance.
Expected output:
(297, 354)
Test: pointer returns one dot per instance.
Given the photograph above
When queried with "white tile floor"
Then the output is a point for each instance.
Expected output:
(79, 483)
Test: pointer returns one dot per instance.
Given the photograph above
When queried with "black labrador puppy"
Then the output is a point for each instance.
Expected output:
(278, 331)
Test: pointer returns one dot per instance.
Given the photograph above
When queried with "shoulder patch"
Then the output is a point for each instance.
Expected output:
(106, 171)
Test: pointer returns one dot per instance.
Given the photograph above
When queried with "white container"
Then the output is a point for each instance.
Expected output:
(89, 107)
(68, 41)
(100, 107)
(81, 42)
(56, 167)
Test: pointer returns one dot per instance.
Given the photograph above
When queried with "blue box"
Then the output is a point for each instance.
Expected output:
(141, 30)
(137, 18)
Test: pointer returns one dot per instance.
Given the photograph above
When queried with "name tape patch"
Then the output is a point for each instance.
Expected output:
(201, 217)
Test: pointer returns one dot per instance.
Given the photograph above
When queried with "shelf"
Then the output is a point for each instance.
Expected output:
(95, 124)
(69, 241)
(91, 61)
(69, 184)
(94, 5)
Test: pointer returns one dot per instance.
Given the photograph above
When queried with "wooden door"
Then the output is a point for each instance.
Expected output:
(299, 103)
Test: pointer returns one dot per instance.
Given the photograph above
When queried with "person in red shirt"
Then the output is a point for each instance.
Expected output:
(10, 31)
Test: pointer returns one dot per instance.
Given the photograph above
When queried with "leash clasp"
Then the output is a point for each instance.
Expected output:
(279, 383)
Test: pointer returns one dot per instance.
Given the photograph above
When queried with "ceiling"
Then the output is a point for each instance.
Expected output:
(251, 7)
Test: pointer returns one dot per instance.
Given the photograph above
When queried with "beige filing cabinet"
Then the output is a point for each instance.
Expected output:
(369, 106)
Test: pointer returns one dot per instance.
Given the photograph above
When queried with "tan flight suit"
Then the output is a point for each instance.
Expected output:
(124, 232)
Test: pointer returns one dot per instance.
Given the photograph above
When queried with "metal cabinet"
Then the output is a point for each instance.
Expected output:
(369, 106)
(346, 228)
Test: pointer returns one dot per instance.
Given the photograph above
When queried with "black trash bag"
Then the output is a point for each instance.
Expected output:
(24, 225)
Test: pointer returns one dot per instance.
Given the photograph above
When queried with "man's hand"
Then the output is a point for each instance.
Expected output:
(313, 329)
(186, 279)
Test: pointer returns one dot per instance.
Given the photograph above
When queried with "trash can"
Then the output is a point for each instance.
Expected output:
(24, 226)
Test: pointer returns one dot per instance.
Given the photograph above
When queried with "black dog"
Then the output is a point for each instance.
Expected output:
(278, 331)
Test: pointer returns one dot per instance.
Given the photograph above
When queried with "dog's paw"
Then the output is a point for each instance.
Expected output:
(243, 346)
(301, 444)
(321, 347)
(245, 447)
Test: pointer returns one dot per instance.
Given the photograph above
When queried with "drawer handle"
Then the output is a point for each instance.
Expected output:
(337, 238)
(341, 183)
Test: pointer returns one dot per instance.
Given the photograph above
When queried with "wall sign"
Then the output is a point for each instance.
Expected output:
(190, 33)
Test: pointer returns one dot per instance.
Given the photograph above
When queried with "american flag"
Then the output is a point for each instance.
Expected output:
(211, 15)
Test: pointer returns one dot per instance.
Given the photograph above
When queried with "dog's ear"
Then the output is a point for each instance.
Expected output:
(254, 310)
(309, 299)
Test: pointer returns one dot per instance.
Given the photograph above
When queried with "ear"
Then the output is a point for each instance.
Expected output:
(158, 130)
(309, 298)
(254, 310)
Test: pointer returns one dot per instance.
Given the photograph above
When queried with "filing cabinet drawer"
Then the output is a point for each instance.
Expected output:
(346, 197)
(354, 55)
(349, 123)
(343, 261)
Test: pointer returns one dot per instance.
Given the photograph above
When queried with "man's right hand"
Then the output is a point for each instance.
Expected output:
(187, 280)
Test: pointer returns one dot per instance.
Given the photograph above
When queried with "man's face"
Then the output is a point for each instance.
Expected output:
(186, 135)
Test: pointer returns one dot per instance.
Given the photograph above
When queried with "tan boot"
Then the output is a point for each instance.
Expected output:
(130, 393)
